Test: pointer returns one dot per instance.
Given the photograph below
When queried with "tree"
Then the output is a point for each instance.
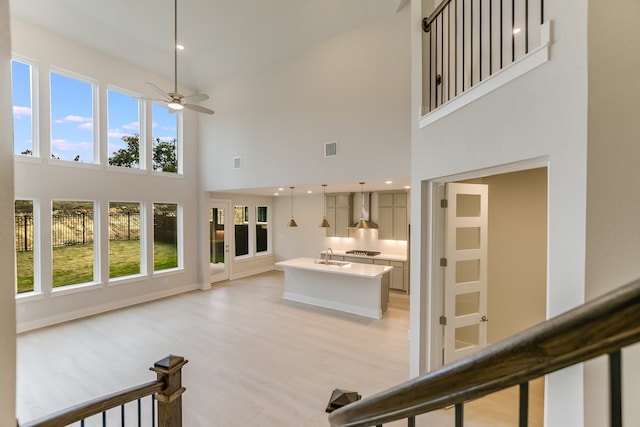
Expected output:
(128, 157)
(164, 158)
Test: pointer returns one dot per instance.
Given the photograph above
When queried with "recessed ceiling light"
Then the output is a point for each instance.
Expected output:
(276, 194)
(280, 189)
(309, 191)
(388, 182)
(407, 187)
(179, 47)
(516, 30)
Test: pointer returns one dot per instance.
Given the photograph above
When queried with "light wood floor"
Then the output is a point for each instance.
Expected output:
(254, 358)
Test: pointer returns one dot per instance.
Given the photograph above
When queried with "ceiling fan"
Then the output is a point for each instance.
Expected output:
(175, 100)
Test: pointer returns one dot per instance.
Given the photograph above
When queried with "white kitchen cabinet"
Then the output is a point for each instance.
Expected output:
(339, 214)
(392, 216)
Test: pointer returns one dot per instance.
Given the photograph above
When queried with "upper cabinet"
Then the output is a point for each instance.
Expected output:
(339, 213)
(392, 216)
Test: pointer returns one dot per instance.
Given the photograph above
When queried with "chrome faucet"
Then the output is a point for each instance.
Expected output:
(326, 255)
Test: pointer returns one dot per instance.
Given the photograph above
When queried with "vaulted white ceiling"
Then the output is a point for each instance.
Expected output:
(222, 38)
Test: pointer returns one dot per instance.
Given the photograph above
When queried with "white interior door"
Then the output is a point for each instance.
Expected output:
(465, 274)
(219, 234)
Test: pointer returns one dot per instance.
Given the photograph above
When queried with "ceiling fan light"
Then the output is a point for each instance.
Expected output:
(175, 106)
(325, 223)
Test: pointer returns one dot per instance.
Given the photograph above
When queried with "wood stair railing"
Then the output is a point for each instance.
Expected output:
(167, 391)
(602, 326)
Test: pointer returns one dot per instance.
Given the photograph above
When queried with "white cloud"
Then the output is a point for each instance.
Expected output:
(132, 126)
(64, 145)
(20, 112)
(75, 119)
(86, 126)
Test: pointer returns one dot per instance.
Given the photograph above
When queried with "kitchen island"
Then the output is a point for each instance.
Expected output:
(361, 289)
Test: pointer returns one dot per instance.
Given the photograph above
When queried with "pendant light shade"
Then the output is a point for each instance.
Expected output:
(363, 222)
(292, 221)
(325, 223)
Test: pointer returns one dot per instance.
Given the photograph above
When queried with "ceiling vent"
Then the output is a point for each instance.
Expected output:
(330, 149)
(236, 162)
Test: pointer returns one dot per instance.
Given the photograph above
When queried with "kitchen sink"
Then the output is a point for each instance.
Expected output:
(334, 262)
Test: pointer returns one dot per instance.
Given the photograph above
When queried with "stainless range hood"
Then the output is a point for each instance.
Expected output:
(365, 220)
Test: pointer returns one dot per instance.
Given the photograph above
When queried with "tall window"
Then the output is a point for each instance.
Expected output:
(72, 242)
(165, 139)
(22, 93)
(72, 135)
(165, 236)
(124, 239)
(124, 130)
(25, 261)
(241, 222)
(262, 230)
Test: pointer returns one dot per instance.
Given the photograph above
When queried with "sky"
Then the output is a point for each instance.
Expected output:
(72, 124)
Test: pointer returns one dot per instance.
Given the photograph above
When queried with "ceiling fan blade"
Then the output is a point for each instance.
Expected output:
(196, 98)
(198, 108)
(160, 91)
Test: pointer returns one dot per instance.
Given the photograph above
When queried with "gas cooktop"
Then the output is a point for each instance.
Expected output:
(362, 252)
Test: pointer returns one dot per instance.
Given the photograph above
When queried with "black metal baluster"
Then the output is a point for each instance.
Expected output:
(524, 405)
(430, 70)
(615, 381)
(448, 51)
(490, 37)
(501, 34)
(435, 44)
(459, 414)
(513, 26)
(526, 26)
(455, 43)
(82, 422)
(471, 42)
(411, 422)
(442, 58)
(463, 44)
(153, 410)
(480, 41)
(122, 415)
(104, 419)
(139, 412)
(541, 12)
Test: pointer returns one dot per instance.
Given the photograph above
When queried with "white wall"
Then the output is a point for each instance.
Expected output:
(7, 254)
(613, 197)
(539, 115)
(353, 89)
(37, 178)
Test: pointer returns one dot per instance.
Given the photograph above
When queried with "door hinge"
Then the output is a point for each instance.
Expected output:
(443, 320)
(444, 203)
(443, 262)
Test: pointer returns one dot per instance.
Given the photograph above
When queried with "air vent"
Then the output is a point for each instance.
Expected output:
(330, 149)
(236, 162)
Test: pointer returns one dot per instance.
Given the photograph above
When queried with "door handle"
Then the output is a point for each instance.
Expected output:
(484, 319)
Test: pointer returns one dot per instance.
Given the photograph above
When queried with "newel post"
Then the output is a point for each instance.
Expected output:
(169, 370)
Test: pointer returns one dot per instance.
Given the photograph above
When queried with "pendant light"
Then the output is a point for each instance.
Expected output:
(363, 222)
(325, 223)
(292, 221)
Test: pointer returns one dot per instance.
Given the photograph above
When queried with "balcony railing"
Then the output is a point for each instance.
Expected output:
(164, 394)
(468, 41)
(600, 327)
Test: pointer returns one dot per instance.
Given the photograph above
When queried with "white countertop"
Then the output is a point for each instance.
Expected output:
(352, 269)
(388, 257)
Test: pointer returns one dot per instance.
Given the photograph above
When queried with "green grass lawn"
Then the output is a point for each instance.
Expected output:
(74, 264)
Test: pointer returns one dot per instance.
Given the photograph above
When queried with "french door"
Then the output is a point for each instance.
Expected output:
(219, 233)
(465, 274)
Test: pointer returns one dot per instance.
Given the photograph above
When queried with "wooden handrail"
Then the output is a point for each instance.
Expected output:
(87, 409)
(601, 326)
(167, 388)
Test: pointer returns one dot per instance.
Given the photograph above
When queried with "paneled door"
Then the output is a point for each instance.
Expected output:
(219, 223)
(465, 277)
